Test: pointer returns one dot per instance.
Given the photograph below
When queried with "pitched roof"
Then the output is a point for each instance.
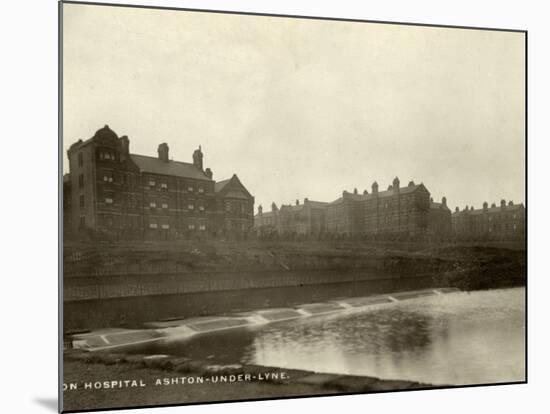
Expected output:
(176, 168)
(497, 209)
(436, 205)
(316, 203)
(381, 194)
(237, 190)
(291, 207)
(219, 186)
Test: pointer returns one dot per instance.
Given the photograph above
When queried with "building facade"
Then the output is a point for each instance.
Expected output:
(130, 196)
(504, 222)
(306, 219)
(397, 212)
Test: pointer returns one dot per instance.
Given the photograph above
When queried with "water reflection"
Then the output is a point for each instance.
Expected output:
(460, 338)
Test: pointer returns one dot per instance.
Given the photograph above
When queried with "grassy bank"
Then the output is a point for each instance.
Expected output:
(217, 256)
(134, 380)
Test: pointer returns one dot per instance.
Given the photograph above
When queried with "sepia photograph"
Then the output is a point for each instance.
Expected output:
(262, 206)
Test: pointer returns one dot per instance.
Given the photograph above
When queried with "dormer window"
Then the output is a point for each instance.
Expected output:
(190, 207)
(152, 183)
(163, 185)
(201, 190)
(201, 208)
(152, 204)
(190, 189)
(108, 200)
(164, 205)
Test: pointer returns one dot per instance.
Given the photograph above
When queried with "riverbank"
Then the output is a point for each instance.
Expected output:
(102, 380)
(126, 284)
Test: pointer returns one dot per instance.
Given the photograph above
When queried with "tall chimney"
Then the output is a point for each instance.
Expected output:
(163, 152)
(396, 184)
(209, 173)
(375, 188)
(197, 158)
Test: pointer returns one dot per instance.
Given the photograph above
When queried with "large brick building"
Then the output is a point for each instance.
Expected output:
(124, 195)
(397, 212)
(299, 219)
(505, 222)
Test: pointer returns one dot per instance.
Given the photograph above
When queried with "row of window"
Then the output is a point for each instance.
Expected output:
(107, 155)
(164, 186)
(191, 226)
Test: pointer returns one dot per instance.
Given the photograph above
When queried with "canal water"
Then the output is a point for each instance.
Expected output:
(452, 339)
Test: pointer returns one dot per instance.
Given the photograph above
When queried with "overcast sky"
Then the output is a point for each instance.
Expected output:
(303, 108)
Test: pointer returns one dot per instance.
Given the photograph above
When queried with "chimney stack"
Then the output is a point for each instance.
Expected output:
(260, 210)
(444, 201)
(163, 152)
(485, 206)
(124, 144)
(503, 204)
(396, 184)
(297, 202)
(208, 173)
(197, 158)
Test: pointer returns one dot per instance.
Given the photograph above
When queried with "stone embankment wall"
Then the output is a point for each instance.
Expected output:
(168, 277)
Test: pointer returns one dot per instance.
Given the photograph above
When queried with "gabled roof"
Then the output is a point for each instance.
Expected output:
(175, 168)
(232, 188)
(219, 186)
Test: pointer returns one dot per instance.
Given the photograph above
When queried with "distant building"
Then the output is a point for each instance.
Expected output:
(300, 219)
(398, 211)
(439, 219)
(505, 222)
(124, 195)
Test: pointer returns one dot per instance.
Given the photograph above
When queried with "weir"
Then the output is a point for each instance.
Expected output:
(185, 328)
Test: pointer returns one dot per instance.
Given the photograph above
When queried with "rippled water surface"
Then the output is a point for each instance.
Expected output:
(457, 338)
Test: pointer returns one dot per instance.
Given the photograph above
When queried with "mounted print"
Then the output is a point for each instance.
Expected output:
(262, 206)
